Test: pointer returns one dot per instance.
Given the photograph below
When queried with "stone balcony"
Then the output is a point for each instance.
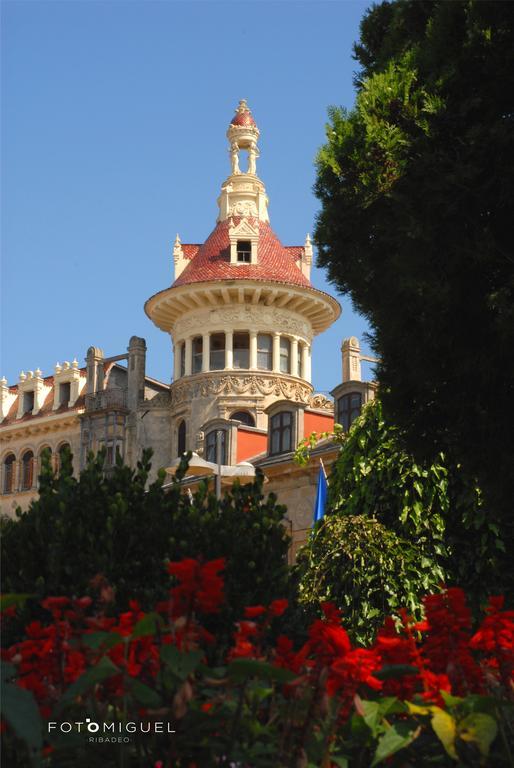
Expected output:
(107, 399)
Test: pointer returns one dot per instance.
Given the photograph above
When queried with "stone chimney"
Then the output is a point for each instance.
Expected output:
(95, 370)
(351, 359)
(136, 372)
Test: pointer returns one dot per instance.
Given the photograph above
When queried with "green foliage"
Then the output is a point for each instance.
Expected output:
(396, 528)
(110, 527)
(366, 570)
(416, 188)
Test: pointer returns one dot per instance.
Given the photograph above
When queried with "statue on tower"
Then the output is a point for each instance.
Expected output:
(234, 158)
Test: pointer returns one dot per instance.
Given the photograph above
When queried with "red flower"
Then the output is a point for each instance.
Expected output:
(200, 588)
(252, 611)
(278, 607)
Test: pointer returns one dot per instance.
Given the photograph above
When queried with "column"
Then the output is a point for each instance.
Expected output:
(176, 362)
(306, 361)
(189, 356)
(294, 356)
(229, 349)
(276, 352)
(253, 350)
(206, 348)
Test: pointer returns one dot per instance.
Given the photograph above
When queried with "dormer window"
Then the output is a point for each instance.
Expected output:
(244, 251)
(64, 393)
(28, 402)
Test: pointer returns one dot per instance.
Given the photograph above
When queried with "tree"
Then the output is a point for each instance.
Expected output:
(110, 528)
(416, 188)
(396, 528)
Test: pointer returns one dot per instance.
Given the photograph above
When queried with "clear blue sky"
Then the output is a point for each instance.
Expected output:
(113, 139)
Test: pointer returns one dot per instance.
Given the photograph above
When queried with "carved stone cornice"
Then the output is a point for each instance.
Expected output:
(258, 317)
(208, 385)
(321, 403)
(161, 400)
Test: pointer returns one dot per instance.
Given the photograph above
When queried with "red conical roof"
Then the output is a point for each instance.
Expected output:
(211, 261)
(243, 116)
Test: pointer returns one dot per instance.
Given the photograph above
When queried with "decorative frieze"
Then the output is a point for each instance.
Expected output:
(208, 386)
(265, 319)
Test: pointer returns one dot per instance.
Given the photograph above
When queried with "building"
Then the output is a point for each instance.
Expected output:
(242, 315)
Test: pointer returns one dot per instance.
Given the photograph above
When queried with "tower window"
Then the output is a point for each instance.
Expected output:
(28, 402)
(183, 359)
(211, 447)
(241, 346)
(348, 409)
(181, 438)
(281, 435)
(285, 355)
(264, 351)
(197, 354)
(244, 251)
(64, 393)
(217, 352)
(244, 417)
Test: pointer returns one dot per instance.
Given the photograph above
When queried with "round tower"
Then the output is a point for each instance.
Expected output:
(242, 314)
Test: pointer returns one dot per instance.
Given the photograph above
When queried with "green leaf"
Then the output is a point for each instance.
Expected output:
(147, 625)
(395, 738)
(20, 710)
(6, 601)
(240, 669)
(105, 640)
(479, 728)
(181, 663)
(101, 671)
(145, 695)
(445, 728)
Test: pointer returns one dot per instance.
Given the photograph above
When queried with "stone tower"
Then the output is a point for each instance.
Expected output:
(242, 315)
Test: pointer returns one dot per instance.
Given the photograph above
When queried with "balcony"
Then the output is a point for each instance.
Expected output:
(115, 398)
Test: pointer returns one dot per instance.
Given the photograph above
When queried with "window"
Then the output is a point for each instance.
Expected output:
(65, 450)
(244, 417)
(64, 393)
(244, 251)
(183, 359)
(217, 352)
(9, 465)
(211, 446)
(241, 346)
(281, 435)
(27, 471)
(197, 345)
(264, 351)
(28, 402)
(181, 438)
(299, 362)
(285, 355)
(348, 409)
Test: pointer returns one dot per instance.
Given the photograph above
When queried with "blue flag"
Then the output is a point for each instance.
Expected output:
(321, 495)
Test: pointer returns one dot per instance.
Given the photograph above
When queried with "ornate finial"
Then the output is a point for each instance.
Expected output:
(30, 374)
(38, 373)
(22, 376)
(3, 381)
(57, 368)
(75, 363)
(66, 365)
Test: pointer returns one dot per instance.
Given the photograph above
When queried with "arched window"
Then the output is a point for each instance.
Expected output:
(281, 432)
(65, 448)
(27, 471)
(241, 347)
(244, 417)
(264, 351)
(9, 465)
(181, 438)
(44, 452)
(211, 446)
(197, 346)
(217, 352)
(285, 355)
(348, 409)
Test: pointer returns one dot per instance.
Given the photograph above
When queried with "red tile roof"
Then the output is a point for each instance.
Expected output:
(211, 261)
(243, 118)
(47, 407)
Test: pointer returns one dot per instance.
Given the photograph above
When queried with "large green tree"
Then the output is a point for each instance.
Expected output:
(416, 185)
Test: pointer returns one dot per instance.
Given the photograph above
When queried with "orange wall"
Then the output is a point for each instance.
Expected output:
(317, 422)
(250, 443)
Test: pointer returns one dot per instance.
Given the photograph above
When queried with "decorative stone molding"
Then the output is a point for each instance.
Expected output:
(321, 403)
(7, 398)
(31, 382)
(246, 229)
(306, 260)
(211, 385)
(179, 260)
(161, 400)
(261, 318)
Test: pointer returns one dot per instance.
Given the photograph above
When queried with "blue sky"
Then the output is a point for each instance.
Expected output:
(113, 140)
